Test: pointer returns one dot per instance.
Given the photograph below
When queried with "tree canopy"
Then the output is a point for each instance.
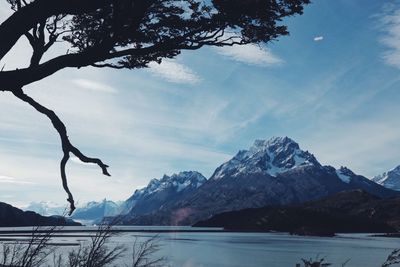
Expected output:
(128, 34)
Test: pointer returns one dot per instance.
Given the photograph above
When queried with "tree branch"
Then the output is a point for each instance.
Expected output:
(30, 15)
(128, 34)
(67, 147)
(9, 80)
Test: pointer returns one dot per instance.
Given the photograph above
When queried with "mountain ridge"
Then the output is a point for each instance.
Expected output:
(161, 192)
(271, 172)
(273, 156)
(389, 179)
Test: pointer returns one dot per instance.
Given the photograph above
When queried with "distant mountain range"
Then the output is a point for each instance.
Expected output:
(46, 208)
(14, 217)
(345, 212)
(94, 212)
(90, 213)
(271, 172)
(390, 179)
(149, 199)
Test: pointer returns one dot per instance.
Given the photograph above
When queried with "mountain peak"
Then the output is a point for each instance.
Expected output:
(274, 143)
(345, 174)
(161, 191)
(275, 146)
(272, 156)
(177, 181)
(395, 170)
(390, 179)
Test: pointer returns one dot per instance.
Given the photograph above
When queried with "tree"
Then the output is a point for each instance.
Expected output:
(128, 34)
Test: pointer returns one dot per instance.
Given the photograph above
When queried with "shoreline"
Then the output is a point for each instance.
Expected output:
(24, 232)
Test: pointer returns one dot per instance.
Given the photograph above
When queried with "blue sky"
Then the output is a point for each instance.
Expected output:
(333, 85)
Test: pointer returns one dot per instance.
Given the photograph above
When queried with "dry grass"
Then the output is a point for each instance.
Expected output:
(98, 252)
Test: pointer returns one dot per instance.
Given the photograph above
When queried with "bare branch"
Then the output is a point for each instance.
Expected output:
(127, 34)
(67, 147)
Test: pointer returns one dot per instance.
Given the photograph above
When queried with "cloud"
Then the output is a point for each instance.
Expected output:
(318, 38)
(174, 72)
(250, 54)
(390, 26)
(95, 86)
(11, 180)
(140, 133)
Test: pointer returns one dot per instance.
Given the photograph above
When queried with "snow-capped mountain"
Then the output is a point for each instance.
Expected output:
(271, 172)
(271, 157)
(162, 191)
(390, 179)
(45, 208)
(279, 156)
(182, 181)
(148, 199)
(94, 212)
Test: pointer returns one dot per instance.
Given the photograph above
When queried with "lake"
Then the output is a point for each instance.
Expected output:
(196, 247)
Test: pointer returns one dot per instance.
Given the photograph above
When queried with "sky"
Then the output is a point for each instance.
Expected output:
(333, 86)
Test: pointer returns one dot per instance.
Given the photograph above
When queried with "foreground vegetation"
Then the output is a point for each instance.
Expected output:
(98, 252)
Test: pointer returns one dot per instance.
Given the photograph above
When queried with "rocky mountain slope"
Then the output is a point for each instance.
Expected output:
(162, 192)
(390, 179)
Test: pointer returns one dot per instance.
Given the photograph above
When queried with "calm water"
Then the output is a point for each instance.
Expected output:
(220, 249)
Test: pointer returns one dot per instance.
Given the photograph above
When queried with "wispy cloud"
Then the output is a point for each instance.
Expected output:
(95, 86)
(11, 180)
(151, 126)
(390, 21)
(174, 72)
(250, 54)
(318, 38)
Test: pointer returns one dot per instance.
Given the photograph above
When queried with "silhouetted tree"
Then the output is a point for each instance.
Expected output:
(128, 34)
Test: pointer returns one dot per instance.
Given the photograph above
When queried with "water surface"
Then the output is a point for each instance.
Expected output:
(195, 247)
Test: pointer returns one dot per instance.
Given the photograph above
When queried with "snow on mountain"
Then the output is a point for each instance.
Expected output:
(159, 192)
(274, 156)
(390, 179)
(345, 174)
(271, 172)
(177, 182)
(95, 211)
(45, 208)
(153, 196)
(87, 213)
